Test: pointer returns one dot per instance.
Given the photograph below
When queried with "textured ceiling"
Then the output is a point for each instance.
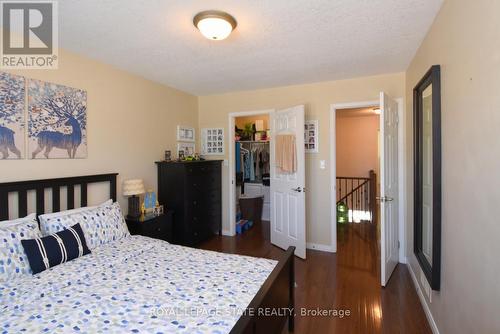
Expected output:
(276, 43)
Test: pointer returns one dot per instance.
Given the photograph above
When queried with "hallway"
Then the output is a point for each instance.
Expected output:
(348, 280)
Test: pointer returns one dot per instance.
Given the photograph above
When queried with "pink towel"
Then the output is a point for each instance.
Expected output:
(286, 153)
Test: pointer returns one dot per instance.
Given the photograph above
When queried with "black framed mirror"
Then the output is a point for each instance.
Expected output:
(427, 174)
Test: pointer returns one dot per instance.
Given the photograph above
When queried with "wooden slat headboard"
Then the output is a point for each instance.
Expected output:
(39, 186)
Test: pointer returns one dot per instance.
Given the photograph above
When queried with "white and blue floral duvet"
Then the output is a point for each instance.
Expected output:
(135, 285)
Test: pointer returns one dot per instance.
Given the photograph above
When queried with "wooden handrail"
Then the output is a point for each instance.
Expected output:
(358, 193)
(353, 191)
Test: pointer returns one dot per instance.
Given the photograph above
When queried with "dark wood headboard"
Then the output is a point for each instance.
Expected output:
(39, 186)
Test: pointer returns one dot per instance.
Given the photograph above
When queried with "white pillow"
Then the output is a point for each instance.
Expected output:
(8, 223)
(13, 260)
(47, 216)
(100, 225)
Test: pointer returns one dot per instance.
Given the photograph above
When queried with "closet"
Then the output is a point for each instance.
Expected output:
(252, 165)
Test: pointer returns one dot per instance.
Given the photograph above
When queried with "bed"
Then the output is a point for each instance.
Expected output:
(143, 285)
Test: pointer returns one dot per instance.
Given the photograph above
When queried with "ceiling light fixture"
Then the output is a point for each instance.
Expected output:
(214, 24)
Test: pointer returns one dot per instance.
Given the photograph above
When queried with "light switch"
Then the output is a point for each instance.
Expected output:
(322, 164)
(226, 162)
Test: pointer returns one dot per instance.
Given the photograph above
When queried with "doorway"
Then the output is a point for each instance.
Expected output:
(387, 213)
(285, 202)
(252, 170)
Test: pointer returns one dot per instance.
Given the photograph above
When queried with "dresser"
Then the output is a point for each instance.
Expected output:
(193, 190)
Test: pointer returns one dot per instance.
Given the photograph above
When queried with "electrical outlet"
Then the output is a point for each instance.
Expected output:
(322, 164)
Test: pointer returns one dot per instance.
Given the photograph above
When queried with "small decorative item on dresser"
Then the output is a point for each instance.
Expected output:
(149, 203)
(168, 155)
(132, 188)
(158, 210)
(181, 155)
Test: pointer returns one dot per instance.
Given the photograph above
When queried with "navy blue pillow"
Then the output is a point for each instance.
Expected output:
(55, 249)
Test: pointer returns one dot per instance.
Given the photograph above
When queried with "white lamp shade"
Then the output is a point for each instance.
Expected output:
(133, 187)
(259, 125)
(215, 28)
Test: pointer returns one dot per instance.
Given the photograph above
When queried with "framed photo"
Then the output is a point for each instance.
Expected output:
(311, 136)
(158, 210)
(185, 133)
(212, 141)
(168, 155)
(188, 149)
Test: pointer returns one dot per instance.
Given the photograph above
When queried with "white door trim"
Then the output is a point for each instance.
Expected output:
(402, 166)
(232, 173)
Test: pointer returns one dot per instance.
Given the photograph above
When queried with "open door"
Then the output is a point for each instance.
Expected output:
(288, 218)
(389, 188)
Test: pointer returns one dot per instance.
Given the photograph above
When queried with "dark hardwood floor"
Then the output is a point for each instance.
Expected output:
(347, 280)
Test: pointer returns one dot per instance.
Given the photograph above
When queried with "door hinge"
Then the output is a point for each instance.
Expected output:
(398, 244)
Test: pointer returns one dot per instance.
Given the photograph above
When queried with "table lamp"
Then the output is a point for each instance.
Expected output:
(132, 188)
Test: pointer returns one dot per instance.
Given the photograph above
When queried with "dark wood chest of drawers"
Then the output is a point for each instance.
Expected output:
(194, 191)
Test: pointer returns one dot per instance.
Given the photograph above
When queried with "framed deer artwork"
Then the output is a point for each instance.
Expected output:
(57, 121)
(12, 119)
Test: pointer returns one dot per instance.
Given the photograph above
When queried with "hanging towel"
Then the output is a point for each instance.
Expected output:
(286, 153)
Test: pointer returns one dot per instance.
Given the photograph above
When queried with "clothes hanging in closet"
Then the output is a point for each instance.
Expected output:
(255, 160)
(238, 157)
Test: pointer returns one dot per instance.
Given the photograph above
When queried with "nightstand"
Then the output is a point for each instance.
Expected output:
(158, 227)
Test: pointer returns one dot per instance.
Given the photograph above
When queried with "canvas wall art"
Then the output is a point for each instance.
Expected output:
(57, 121)
(12, 119)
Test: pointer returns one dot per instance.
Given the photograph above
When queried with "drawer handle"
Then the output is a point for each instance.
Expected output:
(158, 229)
(194, 202)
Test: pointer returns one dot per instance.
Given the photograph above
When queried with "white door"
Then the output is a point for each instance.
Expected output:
(288, 217)
(389, 189)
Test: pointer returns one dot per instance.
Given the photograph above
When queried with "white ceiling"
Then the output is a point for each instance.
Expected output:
(276, 43)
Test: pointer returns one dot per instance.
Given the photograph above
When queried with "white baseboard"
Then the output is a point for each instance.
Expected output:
(227, 233)
(423, 301)
(320, 247)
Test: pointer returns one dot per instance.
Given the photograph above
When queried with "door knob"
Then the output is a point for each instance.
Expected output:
(298, 189)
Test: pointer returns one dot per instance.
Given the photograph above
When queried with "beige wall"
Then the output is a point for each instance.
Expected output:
(131, 122)
(464, 40)
(356, 144)
(317, 97)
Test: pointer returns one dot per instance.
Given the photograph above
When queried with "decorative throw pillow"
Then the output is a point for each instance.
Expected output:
(100, 225)
(13, 260)
(52, 250)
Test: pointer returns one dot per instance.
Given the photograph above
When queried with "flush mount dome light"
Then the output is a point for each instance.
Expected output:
(214, 24)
